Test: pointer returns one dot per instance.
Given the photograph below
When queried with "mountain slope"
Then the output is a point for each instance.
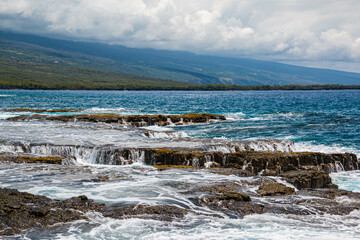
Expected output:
(25, 65)
(15, 73)
(179, 66)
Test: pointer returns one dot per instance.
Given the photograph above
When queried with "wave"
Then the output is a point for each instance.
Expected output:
(347, 180)
(5, 115)
(289, 114)
(166, 134)
(111, 155)
(97, 109)
(158, 128)
(240, 116)
(234, 116)
(335, 148)
(6, 95)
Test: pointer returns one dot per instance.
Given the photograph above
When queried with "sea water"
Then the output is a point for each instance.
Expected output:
(316, 120)
(322, 121)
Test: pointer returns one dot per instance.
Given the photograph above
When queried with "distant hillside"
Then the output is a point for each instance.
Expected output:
(115, 64)
(29, 66)
(32, 75)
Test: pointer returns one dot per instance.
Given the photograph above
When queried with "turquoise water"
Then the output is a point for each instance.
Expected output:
(323, 120)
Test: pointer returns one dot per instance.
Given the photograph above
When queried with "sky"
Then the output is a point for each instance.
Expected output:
(315, 33)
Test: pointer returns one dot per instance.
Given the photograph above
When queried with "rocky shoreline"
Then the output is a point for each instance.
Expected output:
(20, 210)
(280, 182)
(302, 169)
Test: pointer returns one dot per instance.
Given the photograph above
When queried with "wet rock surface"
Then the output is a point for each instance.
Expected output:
(273, 197)
(232, 208)
(257, 191)
(134, 120)
(256, 162)
(159, 212)
(8, 157)
(309, 179)
(303, 170)
(21, 210)
(275, 189)
(253, 195)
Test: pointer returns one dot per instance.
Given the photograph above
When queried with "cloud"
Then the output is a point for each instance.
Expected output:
(296, 30)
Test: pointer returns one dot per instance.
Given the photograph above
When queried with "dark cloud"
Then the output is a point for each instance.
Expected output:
(321, 32)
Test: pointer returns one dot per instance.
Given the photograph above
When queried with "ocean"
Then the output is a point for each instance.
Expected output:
(299, 121)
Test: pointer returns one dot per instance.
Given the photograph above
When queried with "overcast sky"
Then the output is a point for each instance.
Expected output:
(319, 33)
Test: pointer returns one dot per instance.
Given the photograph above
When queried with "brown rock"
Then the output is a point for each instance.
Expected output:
(9, 157)
(135, 120)
(20, 210)
(308, 179)
(274, 189)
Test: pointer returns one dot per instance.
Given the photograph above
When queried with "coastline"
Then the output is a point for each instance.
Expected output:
(192, 87)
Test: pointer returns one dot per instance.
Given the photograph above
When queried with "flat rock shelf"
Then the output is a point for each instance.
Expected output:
(78, 168)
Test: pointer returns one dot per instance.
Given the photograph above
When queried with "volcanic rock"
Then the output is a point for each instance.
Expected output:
(274, 189)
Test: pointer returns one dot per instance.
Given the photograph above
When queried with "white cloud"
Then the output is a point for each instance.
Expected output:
(288, 30)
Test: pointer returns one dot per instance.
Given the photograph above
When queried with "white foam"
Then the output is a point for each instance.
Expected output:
(347, 180)
(148, 186)
(264, 226)
(288, 115)
(262, 117)
(167, 135)
(234, 116)
(335, 148)
(158, 128)
(221, 138)
(5, 115)
(80, 133)
(97, 109)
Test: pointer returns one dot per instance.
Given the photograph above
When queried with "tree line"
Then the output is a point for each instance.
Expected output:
(31, 85)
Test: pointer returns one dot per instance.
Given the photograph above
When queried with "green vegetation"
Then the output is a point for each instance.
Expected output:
(20, 74)
(274, 87)
(15, 74)
(62, 66)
